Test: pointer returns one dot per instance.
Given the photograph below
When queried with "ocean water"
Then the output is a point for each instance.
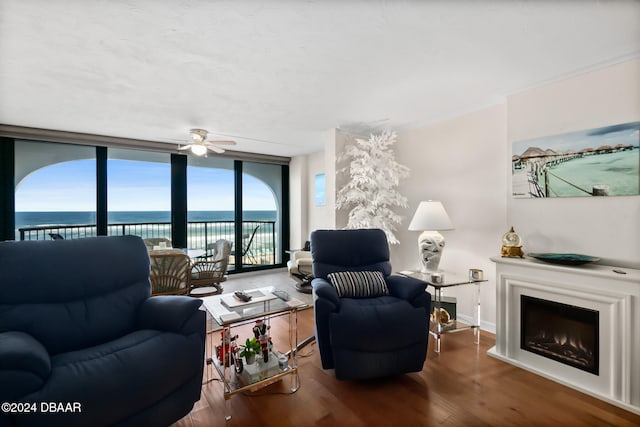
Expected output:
(619, 171)
(196, 231)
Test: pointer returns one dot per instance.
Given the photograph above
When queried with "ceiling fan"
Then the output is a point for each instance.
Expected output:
(199, 144)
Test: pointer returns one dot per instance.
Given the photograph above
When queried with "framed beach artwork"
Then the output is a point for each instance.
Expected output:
(603, 161)
(320, 189)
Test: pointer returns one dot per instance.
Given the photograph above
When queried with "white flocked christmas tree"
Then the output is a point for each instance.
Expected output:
(371, 192)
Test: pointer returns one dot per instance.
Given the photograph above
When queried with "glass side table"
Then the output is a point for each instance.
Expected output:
(448, 280)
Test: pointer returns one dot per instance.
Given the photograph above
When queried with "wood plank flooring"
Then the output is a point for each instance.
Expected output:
(460, 387)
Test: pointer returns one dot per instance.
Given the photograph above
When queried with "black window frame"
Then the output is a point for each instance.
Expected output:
(178, 199)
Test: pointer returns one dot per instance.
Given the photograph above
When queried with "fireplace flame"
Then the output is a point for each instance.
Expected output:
(560, 338)
(563, 345)
(564, 339)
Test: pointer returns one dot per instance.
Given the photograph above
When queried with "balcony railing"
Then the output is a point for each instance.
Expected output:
(257, 248)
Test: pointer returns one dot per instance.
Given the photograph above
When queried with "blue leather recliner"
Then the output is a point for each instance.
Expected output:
(366, 337)
(82, 343)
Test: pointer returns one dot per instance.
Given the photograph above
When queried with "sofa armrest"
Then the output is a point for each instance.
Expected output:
(409, 289)
(24, 364)
(169, 313)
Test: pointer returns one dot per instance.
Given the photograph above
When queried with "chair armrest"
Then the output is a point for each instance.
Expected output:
(169, 313)
(25, 364)
(205, 258)
(410, 289)
(300, 255)
(325, 290)
(325, 303)
(304, 262)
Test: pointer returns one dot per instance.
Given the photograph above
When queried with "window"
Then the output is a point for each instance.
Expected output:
(72, 191)
(210, 202)
(55, 190)
(261, 216)
(139, 193)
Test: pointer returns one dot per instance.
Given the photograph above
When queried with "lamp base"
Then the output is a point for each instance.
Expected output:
(430, 247)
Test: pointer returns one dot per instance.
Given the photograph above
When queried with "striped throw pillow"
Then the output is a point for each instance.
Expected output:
(359, 284)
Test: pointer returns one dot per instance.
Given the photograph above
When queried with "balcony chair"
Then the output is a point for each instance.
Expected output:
(247, 250)
(170, 272)
(368, 323)
(208, 274)
(78, 324)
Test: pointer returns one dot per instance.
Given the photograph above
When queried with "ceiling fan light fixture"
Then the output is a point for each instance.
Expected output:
(198, 149)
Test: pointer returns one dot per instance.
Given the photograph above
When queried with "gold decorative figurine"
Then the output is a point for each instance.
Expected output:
(511, 245)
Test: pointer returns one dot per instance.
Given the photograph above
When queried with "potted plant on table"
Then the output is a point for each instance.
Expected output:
(249, 350)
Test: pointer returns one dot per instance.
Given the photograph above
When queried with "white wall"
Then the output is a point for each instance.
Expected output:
(465, 163)
(319, 216)
(298, 209)
(306, 168)
(460, 162)
(607, 227)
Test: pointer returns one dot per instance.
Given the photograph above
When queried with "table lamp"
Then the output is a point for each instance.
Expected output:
(430, 217)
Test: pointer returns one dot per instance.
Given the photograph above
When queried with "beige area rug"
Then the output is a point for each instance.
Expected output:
(279, 278)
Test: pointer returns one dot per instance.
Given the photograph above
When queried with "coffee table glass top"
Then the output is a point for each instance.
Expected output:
(226, 309)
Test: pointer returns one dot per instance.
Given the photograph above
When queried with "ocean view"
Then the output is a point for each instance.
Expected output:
(196, 231)
(618, 171)
(40, 219)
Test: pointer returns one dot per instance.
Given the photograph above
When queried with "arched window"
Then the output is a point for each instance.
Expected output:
(58, 187)
(55, 190)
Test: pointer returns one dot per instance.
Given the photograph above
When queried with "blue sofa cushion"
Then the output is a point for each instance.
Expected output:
(377, 324)
(73, 293)
(78, 327)
(359, 284)
(25, 364)
(134, 371)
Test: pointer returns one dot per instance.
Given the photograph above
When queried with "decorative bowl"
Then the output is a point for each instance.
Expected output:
(564, 259)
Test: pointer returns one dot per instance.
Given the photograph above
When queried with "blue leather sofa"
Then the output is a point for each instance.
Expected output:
(366, 337)
(82, 343)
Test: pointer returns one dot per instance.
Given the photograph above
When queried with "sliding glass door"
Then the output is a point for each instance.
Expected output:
(70, 191)
(210, 202)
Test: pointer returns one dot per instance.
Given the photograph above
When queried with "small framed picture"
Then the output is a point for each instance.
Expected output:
(320, 189)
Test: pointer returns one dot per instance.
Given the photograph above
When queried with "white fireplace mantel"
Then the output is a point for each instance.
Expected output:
(615, 295)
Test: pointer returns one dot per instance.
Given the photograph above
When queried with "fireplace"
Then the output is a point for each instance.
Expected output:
(575, 325)
(561, 332)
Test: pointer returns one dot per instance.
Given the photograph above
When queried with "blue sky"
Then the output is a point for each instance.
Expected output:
(134, 186)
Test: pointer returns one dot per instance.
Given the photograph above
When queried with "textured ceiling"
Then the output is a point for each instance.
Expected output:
(276, 75)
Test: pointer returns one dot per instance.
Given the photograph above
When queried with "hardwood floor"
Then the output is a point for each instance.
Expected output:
(460, 387)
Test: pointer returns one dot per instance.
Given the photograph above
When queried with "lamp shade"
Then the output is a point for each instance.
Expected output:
(430, 215)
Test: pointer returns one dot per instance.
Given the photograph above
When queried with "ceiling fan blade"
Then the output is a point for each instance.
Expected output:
(184, 147)
(215, 149)
(221, 142)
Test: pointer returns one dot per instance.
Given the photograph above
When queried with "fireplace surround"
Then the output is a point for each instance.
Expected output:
(577, 325)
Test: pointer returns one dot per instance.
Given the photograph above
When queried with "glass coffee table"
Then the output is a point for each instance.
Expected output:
(225, 312)
(447, 280)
